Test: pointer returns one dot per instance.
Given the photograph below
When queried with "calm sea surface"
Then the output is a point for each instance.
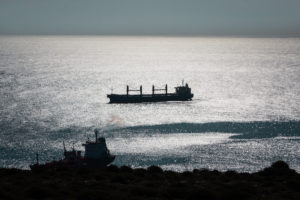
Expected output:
(245, 113)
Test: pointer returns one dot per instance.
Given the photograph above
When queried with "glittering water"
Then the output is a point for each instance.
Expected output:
(245, 113)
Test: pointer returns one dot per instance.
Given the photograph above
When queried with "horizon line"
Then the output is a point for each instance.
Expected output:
(164, 35)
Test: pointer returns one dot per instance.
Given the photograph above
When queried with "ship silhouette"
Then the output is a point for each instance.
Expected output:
(96, 155)
(182, 93)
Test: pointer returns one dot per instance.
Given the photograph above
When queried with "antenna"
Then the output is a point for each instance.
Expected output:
(64, 146)
(182, 82)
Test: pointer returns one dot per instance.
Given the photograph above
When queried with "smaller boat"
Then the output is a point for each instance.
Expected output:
(96, 155)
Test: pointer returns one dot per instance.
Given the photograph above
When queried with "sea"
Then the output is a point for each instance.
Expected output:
(245, 113)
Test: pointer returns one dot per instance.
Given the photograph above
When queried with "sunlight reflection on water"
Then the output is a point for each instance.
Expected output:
(54, 88)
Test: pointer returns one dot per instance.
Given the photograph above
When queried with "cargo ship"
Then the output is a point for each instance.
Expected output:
(182, 93)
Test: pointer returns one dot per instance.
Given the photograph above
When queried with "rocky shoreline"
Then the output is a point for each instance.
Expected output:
(275, 182)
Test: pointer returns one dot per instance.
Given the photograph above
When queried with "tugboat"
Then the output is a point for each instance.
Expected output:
(182, 93)
(96, 155)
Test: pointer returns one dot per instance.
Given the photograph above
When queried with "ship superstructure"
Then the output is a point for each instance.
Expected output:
(96, 155)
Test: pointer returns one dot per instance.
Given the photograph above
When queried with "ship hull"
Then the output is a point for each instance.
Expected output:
(115, 98)
(98, 163)
(82, 163)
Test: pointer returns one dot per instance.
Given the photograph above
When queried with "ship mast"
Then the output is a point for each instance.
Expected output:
(64, 146)
(37, 158)
(96, 134)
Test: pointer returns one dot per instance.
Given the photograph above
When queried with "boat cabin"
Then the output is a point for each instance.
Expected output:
(97, 149)
(183, 90)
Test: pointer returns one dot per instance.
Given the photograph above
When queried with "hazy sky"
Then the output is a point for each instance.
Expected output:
(151, 17)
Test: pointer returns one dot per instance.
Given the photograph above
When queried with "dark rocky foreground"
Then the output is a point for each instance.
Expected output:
(275, 182)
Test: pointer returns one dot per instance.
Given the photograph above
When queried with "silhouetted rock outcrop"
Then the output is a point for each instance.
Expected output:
(275, 182)
(279, 168)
